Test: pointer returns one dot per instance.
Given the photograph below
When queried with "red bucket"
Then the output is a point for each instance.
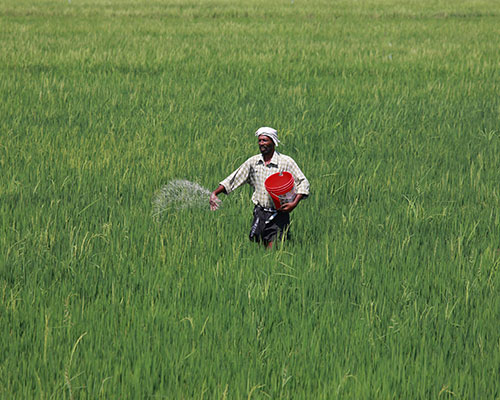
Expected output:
(281, 187)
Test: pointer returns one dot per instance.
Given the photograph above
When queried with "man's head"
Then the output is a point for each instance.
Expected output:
(268, 139)
(266, 145)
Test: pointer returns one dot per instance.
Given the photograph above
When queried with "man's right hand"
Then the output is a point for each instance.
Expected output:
(214, 202)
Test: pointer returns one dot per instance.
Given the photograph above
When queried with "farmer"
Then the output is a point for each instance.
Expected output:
(268, 223)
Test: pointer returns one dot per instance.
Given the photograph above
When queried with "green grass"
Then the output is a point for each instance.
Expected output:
(390, 288)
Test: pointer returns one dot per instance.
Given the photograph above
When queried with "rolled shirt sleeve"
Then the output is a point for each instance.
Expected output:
(237, 178)
(301, 182)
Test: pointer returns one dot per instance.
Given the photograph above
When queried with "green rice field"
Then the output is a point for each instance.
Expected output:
(390, 286)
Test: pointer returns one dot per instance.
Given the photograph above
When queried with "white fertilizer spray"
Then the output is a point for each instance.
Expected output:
(179, 194)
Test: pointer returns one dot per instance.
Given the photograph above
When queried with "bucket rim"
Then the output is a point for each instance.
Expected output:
(289, 183)
(280, 191)
(270, 184)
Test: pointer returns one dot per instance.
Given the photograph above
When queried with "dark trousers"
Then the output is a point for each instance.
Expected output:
(268, 225)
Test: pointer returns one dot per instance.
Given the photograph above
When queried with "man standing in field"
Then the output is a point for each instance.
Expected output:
(268, 223)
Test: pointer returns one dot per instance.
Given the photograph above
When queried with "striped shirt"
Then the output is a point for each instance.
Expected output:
(254, 172)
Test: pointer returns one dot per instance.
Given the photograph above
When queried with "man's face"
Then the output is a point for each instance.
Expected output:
(266, 144)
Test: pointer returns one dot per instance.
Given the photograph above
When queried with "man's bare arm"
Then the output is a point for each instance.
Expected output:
(214, 200)
(288, 207)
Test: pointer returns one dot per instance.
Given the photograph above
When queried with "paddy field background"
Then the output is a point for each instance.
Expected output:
(390, 287)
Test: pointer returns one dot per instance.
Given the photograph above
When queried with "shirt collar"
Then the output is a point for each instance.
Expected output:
(274, 159)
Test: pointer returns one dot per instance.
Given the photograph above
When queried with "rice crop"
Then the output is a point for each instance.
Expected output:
(112, 285)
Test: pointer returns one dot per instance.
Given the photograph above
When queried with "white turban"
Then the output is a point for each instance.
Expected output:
(270, 132)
